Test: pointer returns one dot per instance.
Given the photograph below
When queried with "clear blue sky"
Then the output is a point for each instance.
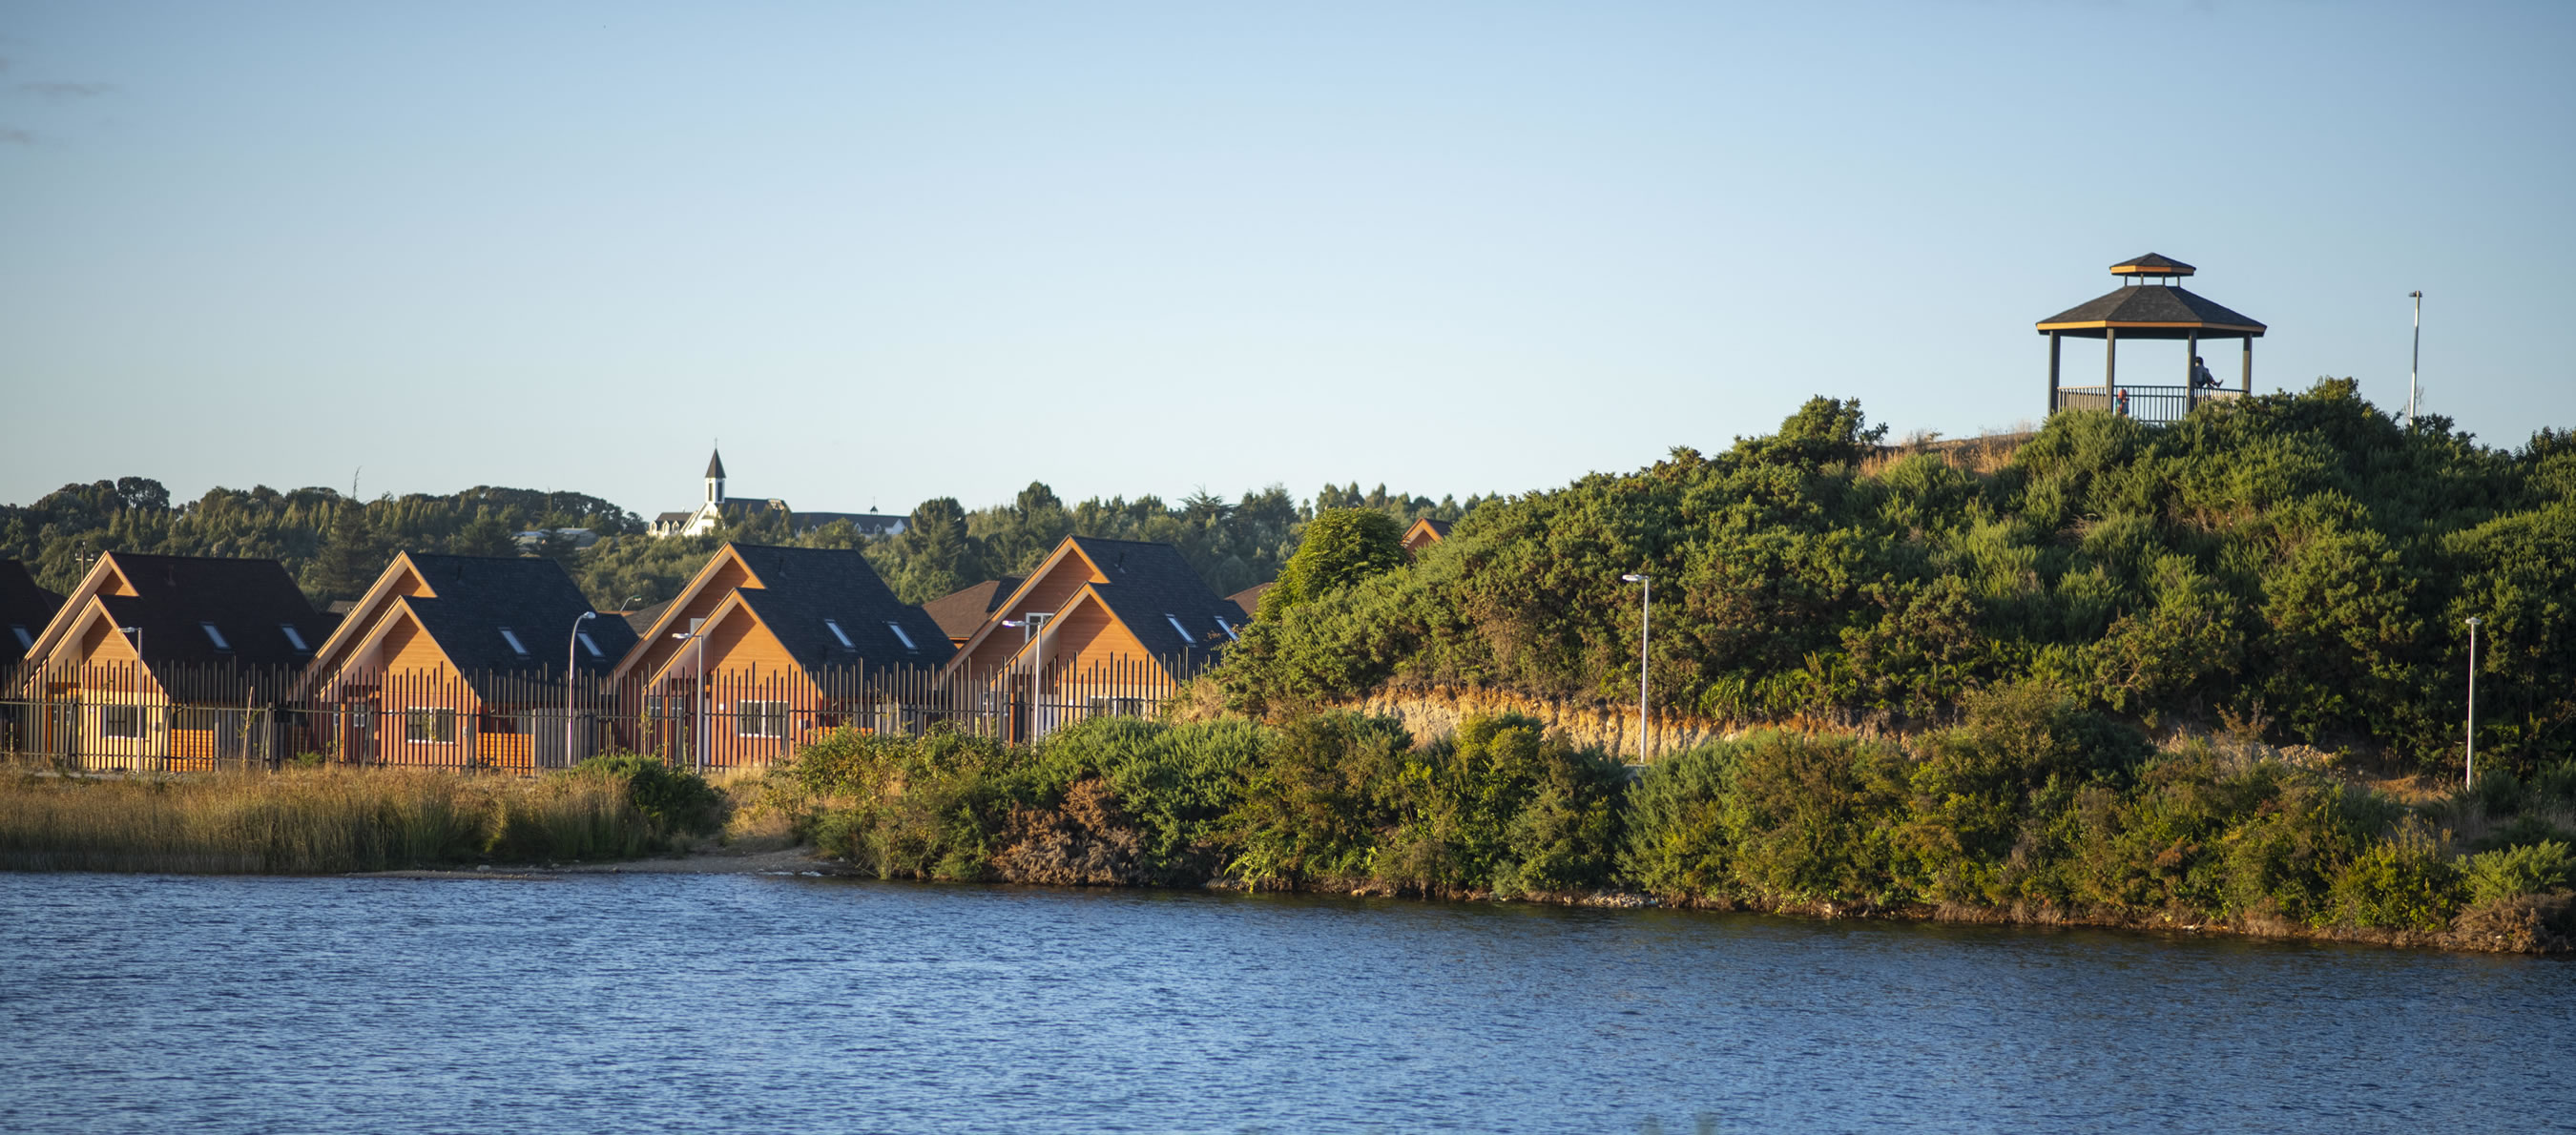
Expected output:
(888, 252)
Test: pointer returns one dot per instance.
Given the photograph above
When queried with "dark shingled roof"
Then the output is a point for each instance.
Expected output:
(536, 599)
(248, 601)
(2152, 264)
(715, 463)
(24, 607)
(1249, 599)
(2152, 304)
(1149, 581)
(959, 612)
(801, 587)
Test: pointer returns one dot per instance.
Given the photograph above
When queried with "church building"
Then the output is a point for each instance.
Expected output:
(718, 510)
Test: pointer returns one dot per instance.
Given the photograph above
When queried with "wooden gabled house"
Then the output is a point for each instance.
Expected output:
(1102, 626)
(1424, 533)
(462, 662)
(767, 646)
(167, 662)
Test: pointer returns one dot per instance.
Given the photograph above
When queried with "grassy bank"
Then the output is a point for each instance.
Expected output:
(319, 820)
(2032, 809)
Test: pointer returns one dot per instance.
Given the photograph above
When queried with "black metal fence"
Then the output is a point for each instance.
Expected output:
(121, 717)
(2154, 405)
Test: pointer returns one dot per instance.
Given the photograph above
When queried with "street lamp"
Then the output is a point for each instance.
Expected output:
(2413, 368)
(1036, 675)
(698, 708)
(1645, 619)
(572, 666)
(2469, 776)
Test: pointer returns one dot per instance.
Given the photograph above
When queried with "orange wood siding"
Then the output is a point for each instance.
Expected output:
(721, 575)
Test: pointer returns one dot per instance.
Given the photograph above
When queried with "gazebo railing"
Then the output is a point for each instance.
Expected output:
(2154, 405)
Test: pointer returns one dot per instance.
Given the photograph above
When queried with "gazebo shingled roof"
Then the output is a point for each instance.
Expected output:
(2166, 312)
(2152, 264)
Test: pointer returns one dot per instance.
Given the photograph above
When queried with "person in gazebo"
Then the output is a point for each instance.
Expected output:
(2200, 377)
(2121, 403)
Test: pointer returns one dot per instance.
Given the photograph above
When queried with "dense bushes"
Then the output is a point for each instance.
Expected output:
(2031, 807)
(2300, 563)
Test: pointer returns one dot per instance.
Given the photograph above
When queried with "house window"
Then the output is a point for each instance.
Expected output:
(760, 719)
(1118, 707)
(1177, 628)
(1227, 627)
(834, 626)
(294, 638)
(197, 718)
(512, 637)
(26, 641)
(586, 644)
(120, 721)
(430, 726)
(504, 723)
(216, 637)
(901, 637)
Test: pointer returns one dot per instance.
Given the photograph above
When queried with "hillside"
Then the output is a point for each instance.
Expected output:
(2295, 565)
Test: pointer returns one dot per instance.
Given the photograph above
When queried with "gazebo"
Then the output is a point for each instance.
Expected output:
(2148, 304)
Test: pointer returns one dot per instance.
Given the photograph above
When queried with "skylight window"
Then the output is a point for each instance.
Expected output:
(586, 644)
(834, 625)
(511, 637)
(901, 637)
(1183, 631)
(25, 641)
(216, 637)
(1227, 627)
(294, 638)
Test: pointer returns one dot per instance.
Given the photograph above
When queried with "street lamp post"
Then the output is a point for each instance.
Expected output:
(2415, 367)
(2469, 735)
(698, 708)
(572, 667)
(1645, 622)
(1036, 675)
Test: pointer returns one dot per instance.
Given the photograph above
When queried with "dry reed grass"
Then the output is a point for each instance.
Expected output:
(306, 821)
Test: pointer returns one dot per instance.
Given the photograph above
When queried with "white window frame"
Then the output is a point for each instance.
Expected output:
(216, 637)
(834, 626)
(294, 638)
(760, 719)
(1225, 626)
(1180, 630)
(425, 724)
(588, 645)
(26, 642)
(128, 713)
(512, 637)
(900, 636)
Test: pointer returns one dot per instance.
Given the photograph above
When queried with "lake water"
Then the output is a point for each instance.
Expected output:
(745, 1003)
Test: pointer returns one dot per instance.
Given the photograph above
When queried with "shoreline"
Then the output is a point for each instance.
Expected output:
(2520, 928)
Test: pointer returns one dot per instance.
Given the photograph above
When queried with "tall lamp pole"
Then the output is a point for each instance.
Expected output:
(2415, 367)
(703, 730)
(572, 666)
(2469, 735)
(1037, 626)
(1645, 621)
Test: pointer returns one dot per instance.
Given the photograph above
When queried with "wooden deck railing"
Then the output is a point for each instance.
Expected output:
(2154, 405)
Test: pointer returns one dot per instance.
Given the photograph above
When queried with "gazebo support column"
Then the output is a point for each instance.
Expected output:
(2191, 371)
(2052, 374)
(2248, 388)
(2110, 361)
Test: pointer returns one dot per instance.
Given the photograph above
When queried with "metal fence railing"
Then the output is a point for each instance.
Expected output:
(2154, 405)
(122, 717)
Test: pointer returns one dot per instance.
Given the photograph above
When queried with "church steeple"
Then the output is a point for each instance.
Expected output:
(715, 477)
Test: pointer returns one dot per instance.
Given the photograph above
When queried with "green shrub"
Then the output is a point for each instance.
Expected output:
(1677, 843)
(1808, 819)
(2399, 884)
(1314, 809)
(676, 800)
(2535, 869)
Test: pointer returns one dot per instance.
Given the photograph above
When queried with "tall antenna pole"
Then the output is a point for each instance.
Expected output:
(2469, 735)
(2415, 367)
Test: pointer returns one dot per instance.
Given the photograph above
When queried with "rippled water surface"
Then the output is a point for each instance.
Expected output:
(689, 1003)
